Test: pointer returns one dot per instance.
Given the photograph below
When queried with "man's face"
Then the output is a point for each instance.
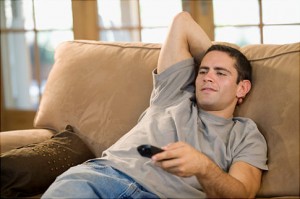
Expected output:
(216, 87)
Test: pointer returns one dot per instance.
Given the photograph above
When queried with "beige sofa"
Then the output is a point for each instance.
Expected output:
(102, 88)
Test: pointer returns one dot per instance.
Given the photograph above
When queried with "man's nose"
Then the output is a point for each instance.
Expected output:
(208, 77)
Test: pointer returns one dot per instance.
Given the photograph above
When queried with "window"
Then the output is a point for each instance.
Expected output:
(30, 31)
(257, 21)
(136, 20)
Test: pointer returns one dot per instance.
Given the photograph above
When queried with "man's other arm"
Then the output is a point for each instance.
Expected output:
(181, 159)
(242, 181)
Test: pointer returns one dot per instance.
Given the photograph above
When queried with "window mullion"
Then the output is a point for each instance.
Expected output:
(37, 63)
(139, 21)
(261, 25)
(85, 20)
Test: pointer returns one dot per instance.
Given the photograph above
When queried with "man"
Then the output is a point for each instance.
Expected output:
(207, 152)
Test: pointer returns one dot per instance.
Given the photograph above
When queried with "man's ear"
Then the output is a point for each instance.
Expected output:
(244, 87)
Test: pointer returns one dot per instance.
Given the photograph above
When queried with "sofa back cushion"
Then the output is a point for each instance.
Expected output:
(274, 105)
(98, 88)
(101, 89)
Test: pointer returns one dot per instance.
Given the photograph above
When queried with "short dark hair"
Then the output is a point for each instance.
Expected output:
(242, 64)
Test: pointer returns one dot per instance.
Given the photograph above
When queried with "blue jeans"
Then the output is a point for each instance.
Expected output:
(93, 180)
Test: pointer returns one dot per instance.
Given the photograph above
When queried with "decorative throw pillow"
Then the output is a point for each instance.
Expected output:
(29, 170)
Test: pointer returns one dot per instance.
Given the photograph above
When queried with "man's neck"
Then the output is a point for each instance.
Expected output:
(226, 113)
(221, 114)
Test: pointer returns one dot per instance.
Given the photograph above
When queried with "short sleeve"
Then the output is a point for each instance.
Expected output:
(174, 83)
(252, 147)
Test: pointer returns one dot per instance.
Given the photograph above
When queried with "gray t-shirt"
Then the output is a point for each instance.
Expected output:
(174, 116)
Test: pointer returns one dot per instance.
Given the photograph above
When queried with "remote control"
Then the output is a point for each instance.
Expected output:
(148, 151)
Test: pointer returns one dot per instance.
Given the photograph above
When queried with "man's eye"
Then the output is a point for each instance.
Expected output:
(220, 73)
(202, 71)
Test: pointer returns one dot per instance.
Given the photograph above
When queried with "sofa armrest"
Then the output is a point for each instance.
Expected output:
(14, 139)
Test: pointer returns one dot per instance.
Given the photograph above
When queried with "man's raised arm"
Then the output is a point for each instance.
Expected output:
(185, 39)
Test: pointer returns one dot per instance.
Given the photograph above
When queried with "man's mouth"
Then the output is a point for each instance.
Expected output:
(208, 89)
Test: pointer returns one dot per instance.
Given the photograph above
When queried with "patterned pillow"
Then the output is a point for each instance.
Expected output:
(29, 170)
